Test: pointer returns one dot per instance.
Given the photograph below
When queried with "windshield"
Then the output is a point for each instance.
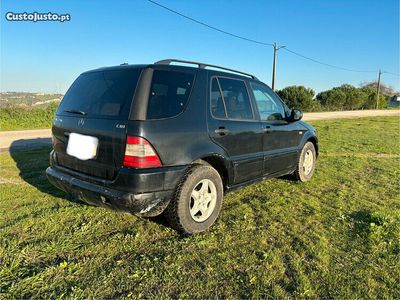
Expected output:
(105, 94)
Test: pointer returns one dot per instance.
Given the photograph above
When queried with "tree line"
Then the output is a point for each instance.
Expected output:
(344, 97)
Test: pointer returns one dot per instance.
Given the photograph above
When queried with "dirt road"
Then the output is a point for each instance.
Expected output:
(20, 139)
(349, 114)
(41, 137)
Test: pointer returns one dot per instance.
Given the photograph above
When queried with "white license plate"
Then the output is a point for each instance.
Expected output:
(81, 146)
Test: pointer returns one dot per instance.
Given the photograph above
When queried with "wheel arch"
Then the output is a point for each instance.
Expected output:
(219, 163)
(314, 140)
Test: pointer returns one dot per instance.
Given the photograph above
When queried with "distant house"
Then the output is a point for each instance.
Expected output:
(394, 101)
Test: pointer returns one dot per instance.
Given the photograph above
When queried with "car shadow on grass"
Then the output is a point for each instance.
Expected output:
(32, 159)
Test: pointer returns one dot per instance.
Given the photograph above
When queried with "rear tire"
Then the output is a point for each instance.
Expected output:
(306, 163)
(197, 201)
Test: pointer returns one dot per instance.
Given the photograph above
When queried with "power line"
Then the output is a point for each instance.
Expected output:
(390, 73)
(210, 26)
(261, 42)
(328, 65)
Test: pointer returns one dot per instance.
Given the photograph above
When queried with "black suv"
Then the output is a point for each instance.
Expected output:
(170, 138)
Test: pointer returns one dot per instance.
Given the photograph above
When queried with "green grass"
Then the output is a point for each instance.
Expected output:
(20, 118)
(337, 236)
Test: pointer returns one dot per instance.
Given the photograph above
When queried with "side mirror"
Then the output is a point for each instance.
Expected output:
(295, 115)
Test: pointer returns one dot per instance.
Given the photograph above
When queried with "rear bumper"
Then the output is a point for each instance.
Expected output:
(142, 203)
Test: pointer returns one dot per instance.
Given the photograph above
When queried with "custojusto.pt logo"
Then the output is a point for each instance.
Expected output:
(37, 17)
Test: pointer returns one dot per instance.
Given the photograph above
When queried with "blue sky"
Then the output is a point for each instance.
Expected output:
(48, 56)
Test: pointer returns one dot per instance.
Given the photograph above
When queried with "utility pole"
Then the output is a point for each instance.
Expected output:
(276, 48)
(378, 87)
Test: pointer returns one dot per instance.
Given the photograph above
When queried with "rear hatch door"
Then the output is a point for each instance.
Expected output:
(89, 131)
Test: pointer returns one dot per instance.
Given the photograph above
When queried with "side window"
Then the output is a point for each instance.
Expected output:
(217, 103)
(169, 92)
(236, 99)
(269, 106)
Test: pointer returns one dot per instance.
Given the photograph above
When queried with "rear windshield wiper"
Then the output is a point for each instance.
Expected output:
(75, 111)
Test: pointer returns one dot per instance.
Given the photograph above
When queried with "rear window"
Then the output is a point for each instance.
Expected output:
(169, 93)
(105, 94)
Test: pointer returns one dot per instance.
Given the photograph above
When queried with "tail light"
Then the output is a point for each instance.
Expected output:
(140, 154)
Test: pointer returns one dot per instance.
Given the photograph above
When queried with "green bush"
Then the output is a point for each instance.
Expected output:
(348, 97)
(19, 118)
(299, 97)
(333, 99)
(354, 97)
(370, 99)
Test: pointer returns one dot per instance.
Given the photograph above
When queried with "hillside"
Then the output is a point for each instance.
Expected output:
(23, 99)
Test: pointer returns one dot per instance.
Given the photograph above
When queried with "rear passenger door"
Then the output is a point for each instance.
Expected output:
(233, 125)
(280, 138)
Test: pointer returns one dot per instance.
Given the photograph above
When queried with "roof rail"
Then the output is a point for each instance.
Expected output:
(201, 66)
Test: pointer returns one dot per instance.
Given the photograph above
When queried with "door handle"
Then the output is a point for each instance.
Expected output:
(267, 129)
(221, 131)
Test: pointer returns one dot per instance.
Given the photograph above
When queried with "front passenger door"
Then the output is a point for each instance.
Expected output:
(280, 138)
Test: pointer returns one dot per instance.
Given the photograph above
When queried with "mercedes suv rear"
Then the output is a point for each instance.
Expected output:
(172, 139)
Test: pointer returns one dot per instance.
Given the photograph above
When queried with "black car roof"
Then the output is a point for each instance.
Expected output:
(212, 72)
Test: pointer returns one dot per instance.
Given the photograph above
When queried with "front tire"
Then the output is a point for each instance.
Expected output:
(197, 201)
(306, 163)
